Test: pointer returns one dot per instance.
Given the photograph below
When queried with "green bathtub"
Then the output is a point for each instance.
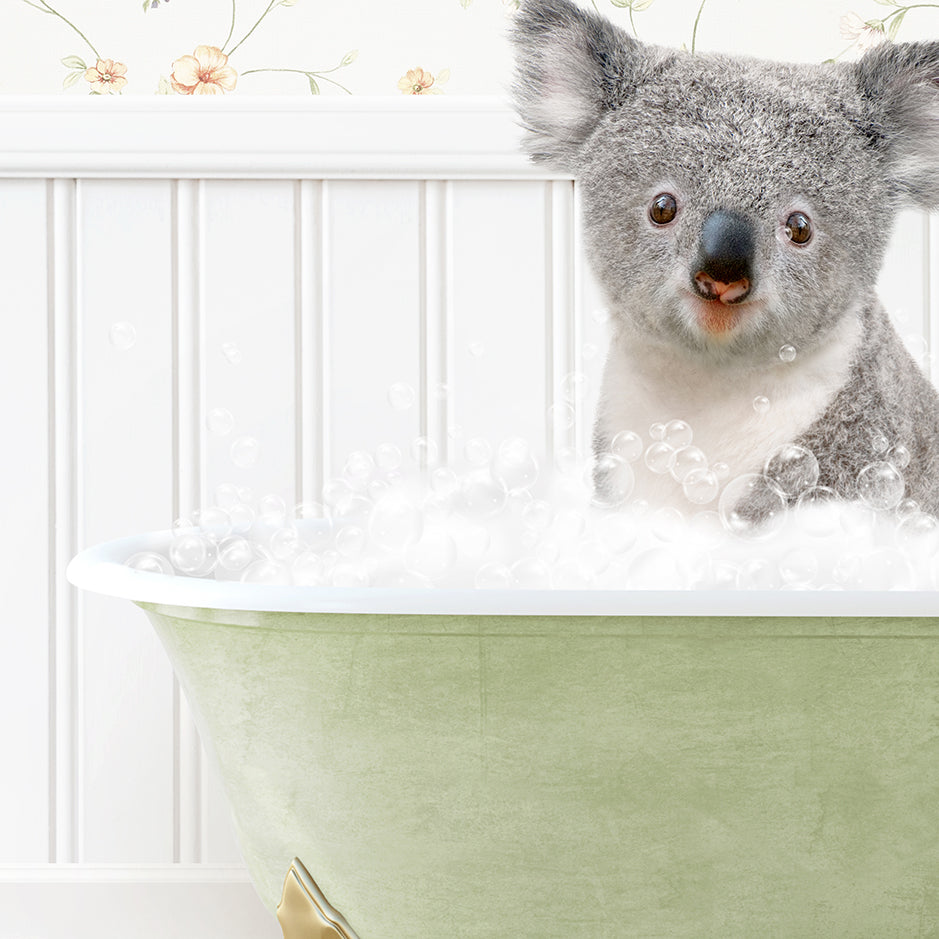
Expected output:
(564, 765)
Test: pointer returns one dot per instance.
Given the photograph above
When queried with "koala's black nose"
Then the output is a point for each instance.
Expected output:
(725, 261)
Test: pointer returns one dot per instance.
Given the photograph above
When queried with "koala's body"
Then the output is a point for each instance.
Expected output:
(731, 208)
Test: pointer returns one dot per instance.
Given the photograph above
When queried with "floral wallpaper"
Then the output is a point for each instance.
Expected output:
(413, 47)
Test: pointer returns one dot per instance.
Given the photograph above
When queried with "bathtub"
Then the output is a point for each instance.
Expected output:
(565, 765)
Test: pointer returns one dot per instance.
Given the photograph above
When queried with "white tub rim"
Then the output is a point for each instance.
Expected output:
(101, 569)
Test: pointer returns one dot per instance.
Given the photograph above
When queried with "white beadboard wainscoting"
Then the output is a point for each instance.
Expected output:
(342, 247)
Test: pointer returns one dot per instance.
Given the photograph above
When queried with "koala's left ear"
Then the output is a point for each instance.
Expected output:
(901, 83)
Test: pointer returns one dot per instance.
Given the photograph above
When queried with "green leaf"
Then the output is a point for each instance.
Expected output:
(640, 5)
(895, 25)
(622, 3)
(314, 88)
(74, 61)
(887, 3)
(164, 86)
(288, 3)
(71, 79)
(349, 57)
(146, 5)
(443, 76)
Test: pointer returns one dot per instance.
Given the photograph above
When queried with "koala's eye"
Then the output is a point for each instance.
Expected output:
(798, 228)
(664, 208)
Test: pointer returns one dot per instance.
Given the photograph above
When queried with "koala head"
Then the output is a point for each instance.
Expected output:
(731, 206)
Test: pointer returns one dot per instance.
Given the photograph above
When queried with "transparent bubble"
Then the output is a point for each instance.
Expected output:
(574, 387)
(336, 493)
(358, 467)
(351, 541)
(618, 532)
(242, 518)
(627, 445)
(899, 456)
(752, 506)
(919, 532)
(758, 574)
(906, 508)
(434, 555)
(793, 468)
(440, 391)
(686, 459)
(265, 571)
(424, 451)
(721, 470)
(401, 396)
(349, 576)
(530, 574)
(761, 404)
(493, 576)
(478, 451)
(880, 485)
(678, 434)
(245, 452)
(122, 336)
(589, 351)
(799, 566)
(661, 568)
(395, 522)
(879, 441)
(787, 353)
(308, 569)
(444, 481)
(150, 562)
(668, 524)
(273, 507)
(514, 465)
(613, 480)
(660, 457)
(226, 495)
(701, 486)
(215, 523)
(235, 553)
(285, 543)
(192, 553)
(388, 457)
(477, 349)
(231, 353)
(879, 569)
(220, 421)
(917, 347)
(472, 539)
(657, 431)
(538, 515)
(562, 416)
(569, 460)
(816, 517)
(573, 574)
(568, 525)
(481, 496)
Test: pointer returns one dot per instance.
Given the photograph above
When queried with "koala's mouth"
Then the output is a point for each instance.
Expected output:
(723, 315)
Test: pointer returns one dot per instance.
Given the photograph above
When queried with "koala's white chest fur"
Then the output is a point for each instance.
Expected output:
(643, 386)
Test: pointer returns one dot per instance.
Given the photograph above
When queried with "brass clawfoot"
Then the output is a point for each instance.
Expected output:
(304, 912)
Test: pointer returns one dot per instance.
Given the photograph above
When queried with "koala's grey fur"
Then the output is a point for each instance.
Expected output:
(849, 144)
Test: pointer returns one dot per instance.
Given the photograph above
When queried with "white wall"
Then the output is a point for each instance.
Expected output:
(342, 249)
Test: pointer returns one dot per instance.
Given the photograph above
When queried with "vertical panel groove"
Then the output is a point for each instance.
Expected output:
(188, 469)
(310, 299)
(931, 288)
(433, 252)
(64, 405)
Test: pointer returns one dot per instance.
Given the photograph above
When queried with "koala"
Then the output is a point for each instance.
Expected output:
(734, 208)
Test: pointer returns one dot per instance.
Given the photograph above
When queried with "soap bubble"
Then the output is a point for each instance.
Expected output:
(660, 457)
(793, 468)
(122, 336)
(245, 451)
(618, 532)
(758, 574)
(761, 404)
(613, 479)
(444, 482)
(569, 460)
(668, 524)
(235, 553)
(574, 387)
(395, 522)
(440, 391)
(568, 525)
(351, 541)
(798, 566)
(899, 456)
(242, 518)
(752, 506)
(538, 515)
(349, 576)
(477, 349)
(879, 441)
(906, 507)
(424, 451)
(478, 451)
(787, 353)
(358, 467)
(227, 495)
(657, 431)
(721, 470)
(573, 574)
(231, 353)
(920, 532)
(482, 496)
(562, 415)
(149, 562)
(308, 569)
(701, 486)
(880, 485)
(388, 457)
(434, 554)
(401, 396)
(677, 434)
(192, 553)
(493, 576)
(627, 445)
(531, 574)
(215, 523)
(265, 571)
(589, 351)
(220, 421)
(686, 460)
(659, 569)
(815, 518)
(514, 465)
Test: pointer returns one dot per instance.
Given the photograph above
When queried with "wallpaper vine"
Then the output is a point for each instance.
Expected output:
(415, 47)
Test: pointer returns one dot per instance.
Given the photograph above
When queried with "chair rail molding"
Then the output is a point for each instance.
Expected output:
(262, 138)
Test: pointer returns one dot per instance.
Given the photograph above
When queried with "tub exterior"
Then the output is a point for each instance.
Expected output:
(461, 777)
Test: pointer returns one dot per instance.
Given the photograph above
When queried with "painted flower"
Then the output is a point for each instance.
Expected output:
(419, 82)
(106, 77)
(205, 72)
(864, 34)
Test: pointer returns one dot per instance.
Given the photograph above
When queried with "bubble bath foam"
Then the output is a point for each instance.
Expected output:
(582, 767)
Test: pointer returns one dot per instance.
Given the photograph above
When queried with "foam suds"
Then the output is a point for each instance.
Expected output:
(504, 522)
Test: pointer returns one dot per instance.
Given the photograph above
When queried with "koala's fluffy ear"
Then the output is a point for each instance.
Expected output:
(571, 67)
(901, 82)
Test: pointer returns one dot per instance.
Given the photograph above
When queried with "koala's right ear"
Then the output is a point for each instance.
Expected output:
(571, 68)
(901, 83)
